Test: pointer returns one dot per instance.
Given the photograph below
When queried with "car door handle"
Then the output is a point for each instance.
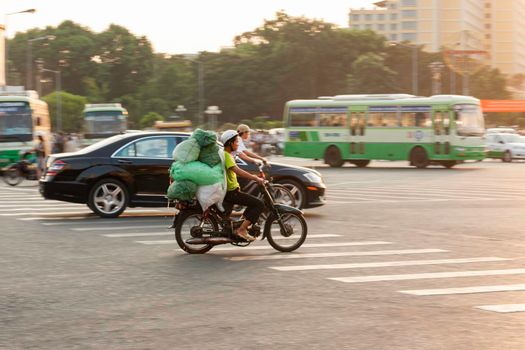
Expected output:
(124, 161)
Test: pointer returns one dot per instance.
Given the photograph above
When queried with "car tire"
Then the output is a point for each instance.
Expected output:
(419, 158)
(108, 198)
(360, 163)
(298, 191)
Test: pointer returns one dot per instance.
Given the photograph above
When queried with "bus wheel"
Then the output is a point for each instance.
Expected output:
(332, 157)
(507, 157)
(419, 158)
(360, 163)
(448, 163)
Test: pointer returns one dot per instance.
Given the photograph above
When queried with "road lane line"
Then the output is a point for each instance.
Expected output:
(118, 228)
(465, 290)
(137, 234)
(308, 245)
(503, 308)
(336, 254)
(417, 276)
(386, 264)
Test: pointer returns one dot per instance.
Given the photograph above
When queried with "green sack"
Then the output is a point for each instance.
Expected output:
(203, 137)
(197, 172)
(210, 155)
(182, 190)
(186, 151)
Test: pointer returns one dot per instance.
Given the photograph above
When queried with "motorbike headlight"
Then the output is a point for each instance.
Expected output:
(314, 178)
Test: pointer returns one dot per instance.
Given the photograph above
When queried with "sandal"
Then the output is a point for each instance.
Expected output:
(245, 235)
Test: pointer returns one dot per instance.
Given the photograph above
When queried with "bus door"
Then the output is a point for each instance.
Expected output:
(441, 125)
(357, 125)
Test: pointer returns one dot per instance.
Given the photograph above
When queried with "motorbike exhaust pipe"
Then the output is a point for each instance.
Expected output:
(209, 240)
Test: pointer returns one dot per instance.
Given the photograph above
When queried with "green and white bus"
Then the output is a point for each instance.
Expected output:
(441, 129)
(103, 120)
(23, 116)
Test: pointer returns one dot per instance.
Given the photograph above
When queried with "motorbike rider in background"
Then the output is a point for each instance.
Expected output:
(244, 133)
(254, 206)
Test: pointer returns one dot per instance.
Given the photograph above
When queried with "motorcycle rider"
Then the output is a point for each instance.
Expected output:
(254, 206)
(244, 133)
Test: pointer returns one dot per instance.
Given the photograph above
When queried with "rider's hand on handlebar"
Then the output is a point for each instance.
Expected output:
(260, 180)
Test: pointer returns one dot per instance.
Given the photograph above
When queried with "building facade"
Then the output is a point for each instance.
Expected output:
(494, 29)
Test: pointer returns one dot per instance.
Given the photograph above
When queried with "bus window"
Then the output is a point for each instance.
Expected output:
(332, 119)
(303, 119)
(438, 123)
(382, 119)
(362, 123)
(415, 119)
(354, 120)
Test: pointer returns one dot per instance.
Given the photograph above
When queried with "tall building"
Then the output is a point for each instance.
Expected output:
(492, 30)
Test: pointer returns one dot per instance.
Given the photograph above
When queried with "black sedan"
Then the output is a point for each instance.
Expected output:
(132, 170)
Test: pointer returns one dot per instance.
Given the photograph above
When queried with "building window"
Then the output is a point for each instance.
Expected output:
(408, 36)
(487, 26)
(393, 16)
(409, 25)
(392, 6)
(381, 26)
(408, 14)
(393, 26)
(368, 26)
(381, 17)
(393, 37)
(409, 3)
(355, 17)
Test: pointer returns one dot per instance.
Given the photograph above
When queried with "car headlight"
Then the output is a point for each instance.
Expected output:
(314, 178)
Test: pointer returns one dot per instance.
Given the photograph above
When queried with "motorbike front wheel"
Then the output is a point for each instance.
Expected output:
(286, 234)
(188, 219)
(13, 176)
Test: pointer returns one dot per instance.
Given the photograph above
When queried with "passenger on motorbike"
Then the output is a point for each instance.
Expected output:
(254, 206)
(244, 133)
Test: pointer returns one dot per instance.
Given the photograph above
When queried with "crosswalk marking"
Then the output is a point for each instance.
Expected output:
(387, 264)
(417, 276)
(335, 254)
(503, 308)
(137, 234)
(118, 228)
(465, 290)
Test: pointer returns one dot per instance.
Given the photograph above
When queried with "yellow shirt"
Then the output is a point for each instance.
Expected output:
(231, 177)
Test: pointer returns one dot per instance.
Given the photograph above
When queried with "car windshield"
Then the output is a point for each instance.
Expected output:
(469, 120)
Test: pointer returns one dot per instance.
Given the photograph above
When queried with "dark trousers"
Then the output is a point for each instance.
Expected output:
(254, 206)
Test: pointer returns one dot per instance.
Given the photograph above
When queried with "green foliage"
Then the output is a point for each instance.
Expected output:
(72, 106)
(286, 58)
(149, 119)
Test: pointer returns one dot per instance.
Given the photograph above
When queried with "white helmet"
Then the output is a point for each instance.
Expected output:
(228, 135)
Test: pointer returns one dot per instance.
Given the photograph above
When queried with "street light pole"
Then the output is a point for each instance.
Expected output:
(6, 55)
(58, 88)
(29, 63)
(213, 111)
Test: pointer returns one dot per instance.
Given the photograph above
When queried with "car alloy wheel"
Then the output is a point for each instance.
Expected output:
(108, 198)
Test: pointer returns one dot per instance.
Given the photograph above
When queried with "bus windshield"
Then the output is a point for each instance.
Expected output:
(15, 122)
(469, 120)
(105, 122)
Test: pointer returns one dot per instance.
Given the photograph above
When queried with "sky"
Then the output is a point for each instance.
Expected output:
(173, 26)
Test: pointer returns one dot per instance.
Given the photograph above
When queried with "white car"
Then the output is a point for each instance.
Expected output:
(505, 146)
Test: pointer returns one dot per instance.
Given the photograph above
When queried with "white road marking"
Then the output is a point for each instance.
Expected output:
(137, 234)
(386, 264)
(335, 254)
(503, 308)
(417, 276)
(465, 290)
(117, 228)
(258, 247)
(31, 209)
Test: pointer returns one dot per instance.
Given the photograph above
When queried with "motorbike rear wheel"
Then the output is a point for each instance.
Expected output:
(186, 220)
(287, 234)
(13, 176)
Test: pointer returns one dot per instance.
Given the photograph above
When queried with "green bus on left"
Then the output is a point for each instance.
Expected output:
(23, 117)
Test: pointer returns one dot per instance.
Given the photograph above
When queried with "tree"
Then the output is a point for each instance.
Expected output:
(149, 119)
(72, 106)
(371, 75)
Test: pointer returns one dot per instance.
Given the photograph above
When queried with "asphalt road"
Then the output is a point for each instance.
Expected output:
(399, 258)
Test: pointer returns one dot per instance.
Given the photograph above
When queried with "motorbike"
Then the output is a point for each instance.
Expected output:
(196, 232)
(22, 170)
